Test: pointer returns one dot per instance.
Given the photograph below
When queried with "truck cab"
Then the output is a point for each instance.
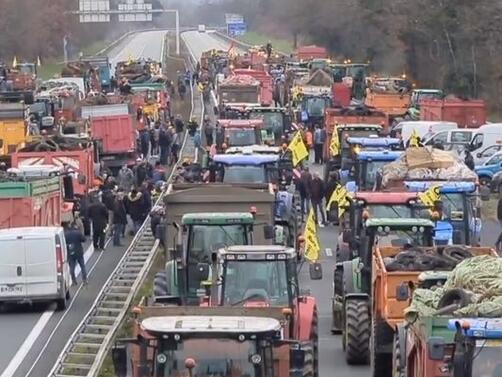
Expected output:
(245, 168)
(103, 66)
(13, 130)
(418, 95)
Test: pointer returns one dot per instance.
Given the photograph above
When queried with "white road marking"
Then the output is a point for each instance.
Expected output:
(329, 252)
(37, 330)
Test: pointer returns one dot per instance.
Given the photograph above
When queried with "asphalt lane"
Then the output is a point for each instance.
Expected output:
(16, 323)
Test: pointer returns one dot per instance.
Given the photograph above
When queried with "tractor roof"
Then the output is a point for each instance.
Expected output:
(257, 252)
(359, 127)
(378, 155)
(245, 159)
(400, 222)
(221, 218)
(374, 142)
(210, 324)
(445, 187)
(386, 197)
(241, 123)
(253, 149)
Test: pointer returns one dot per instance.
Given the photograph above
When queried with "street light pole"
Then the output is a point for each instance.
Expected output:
(177, 32)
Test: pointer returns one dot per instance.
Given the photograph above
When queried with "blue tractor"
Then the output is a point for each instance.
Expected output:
(459, 208)
(261, 169)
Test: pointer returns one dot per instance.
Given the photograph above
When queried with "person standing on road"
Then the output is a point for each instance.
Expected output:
(179, 125)
(99, 216)
(175, 147)
(498, 243)
(135, 208)
(317, 191)
(119, 217)
(125, 178)
(331, 185)
(469, 160)
(165, 139)
(192, 127)
(220, 136)
(304, 184)
(319, 137)
(74, 239)
(208, 131)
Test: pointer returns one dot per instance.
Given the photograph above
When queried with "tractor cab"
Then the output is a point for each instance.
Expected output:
(353, 130)
(459, 208)
(245, 168)
(199, 236)
(313, 107)
(367, 172)
(477, 350)
(207, 342)
(276, 121)
(242, 132)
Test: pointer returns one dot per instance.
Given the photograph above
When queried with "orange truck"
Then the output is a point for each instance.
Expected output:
(393, 105)
(392, 291)
(33, 202)
(466, 113)
(311, 52)
(80, 162)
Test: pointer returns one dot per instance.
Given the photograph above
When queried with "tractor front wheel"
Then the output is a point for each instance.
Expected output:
(357, 332)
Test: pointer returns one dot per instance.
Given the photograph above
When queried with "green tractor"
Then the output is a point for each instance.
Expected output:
(199, 236)
(418, 95)
(352, 282)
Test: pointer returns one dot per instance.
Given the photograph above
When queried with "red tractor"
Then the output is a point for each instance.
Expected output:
(264, 278)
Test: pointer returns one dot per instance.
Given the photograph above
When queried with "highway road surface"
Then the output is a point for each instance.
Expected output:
(32, 337)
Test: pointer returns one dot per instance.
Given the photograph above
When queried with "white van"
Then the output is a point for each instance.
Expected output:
(34, 266)
(424, 129)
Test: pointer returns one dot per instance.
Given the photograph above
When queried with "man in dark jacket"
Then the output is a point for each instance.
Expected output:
(119, 217)
(498, 243)
(135, 207)
(317, 191)
(98, 214)
(208, 131)
(220, 136)
(469, 160)
(303, 188)
(165, 140)
(179, 125)
(74, 240)
(331, 185)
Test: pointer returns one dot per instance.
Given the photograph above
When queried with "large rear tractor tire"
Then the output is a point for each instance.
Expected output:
(160, 284)
(381, 363)
(357, 332)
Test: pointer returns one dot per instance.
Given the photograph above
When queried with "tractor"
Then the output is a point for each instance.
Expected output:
(352, 283)
(194, 341)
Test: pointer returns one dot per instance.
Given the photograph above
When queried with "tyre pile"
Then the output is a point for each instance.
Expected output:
(473, 289)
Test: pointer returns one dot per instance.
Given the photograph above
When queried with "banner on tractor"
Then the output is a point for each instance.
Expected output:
(298, 149)
(430, 196)
(414, 139)
(340, 196)
(334, 146)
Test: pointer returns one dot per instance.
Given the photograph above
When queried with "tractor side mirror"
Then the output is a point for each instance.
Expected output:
(119, 358)
(82, 179)
(346, 235)
(315, 270)
(435, 347)
(269, 232)
(202, 271)
(402, 292)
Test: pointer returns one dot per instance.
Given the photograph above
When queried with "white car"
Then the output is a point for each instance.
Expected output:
(481, 157)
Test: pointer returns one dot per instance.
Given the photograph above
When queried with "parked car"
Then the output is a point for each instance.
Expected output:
(34, 266)
(485, 154)
(489, 168)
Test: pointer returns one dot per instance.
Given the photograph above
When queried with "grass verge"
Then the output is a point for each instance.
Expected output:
(280, 44)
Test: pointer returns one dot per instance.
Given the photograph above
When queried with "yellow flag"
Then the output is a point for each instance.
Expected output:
(130, 59)
(39, 62)
(430, 196)
(414, 139)
(14, 62)
(298, 149)
(341, 196)
(334, 146)
(312, 244)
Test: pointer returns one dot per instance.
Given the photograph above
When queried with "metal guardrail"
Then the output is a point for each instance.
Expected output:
(86, 350)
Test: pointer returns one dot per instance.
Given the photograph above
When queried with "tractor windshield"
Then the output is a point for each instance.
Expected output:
(486, 363)
(316, 106)
(26, 69)
(245, 174)
(387, 211)
(205, 239)
(273, 120)
(252, 281)
(240, 137)
(367, 174)
(212, 357)
(453, 205)
(399, 238)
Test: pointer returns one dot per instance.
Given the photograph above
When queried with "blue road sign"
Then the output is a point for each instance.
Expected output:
(237, 29)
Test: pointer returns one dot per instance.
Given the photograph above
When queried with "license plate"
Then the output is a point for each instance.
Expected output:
(11, 289)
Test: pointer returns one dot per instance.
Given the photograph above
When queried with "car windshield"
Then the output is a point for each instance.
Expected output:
(486, 363)
(204, 239)
(256, 281)
(400, 238)
(316, 106)
(387, 211)
(272, 120)
(240, 137)
(213, 358)
(245, 174)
